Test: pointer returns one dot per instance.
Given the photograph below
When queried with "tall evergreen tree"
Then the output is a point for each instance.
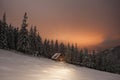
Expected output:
(76, 55)
(47, 48)
(15, 37)
(62, 48)
(31, 41)
(23, 41)
(35, 39)
(56, 46)
(68, 54)
(52, 48)
(10, 37)
(72, 53)
(3, 33)
(35, 42)
(39, 44)
(81, 56)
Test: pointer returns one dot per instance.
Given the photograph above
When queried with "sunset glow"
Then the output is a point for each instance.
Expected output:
(87, 23)
(81, 40)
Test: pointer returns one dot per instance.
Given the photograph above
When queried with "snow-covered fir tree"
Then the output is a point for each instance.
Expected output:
(3, 33)
(68, 54)
(39, 45)
(62, 49)
(52, 48)
(31, 41)
(47, 48)
(16, 37)
(23, 40)
(11, 37)
(35, 42)
(56, 46)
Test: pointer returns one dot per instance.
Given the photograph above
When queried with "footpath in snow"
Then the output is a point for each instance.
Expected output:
(16, 66)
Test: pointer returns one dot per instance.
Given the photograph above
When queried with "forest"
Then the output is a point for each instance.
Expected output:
(30, 42)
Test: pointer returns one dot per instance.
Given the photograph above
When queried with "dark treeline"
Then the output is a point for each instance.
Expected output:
(30, 42)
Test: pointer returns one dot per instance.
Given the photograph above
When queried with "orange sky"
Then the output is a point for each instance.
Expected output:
(89, 23)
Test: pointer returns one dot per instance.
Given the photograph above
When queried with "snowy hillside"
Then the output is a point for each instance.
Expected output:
(20, 67)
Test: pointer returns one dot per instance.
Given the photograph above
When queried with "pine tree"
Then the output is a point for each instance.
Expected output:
(44, 47)
(47, 48)
(52, 48)
(31, 41)
(23, 41)
(56, 46)
(81, 56)
(3, 33)
(10, 37)
(35, 42)
(39, 45)
(62, 49)
(68, 54)
(76, 55)
(15, 37)
(93, 55)
(72, 53)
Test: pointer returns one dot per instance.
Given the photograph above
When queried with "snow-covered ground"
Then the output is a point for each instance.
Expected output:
(20, 67)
